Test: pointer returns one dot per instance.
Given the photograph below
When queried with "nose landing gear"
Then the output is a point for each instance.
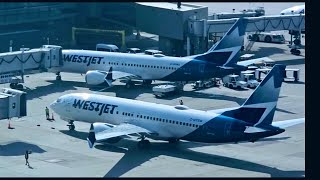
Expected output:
(71, 125)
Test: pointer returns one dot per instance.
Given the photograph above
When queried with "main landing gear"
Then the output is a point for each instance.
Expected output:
(129, 84)
(147, 82)
(16, 86)
(144, 143)
(173, 141)
(71, 125)
(58, 77)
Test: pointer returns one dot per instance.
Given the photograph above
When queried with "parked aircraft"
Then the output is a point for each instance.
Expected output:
(294, 10)
(113, 118)
(96, 65)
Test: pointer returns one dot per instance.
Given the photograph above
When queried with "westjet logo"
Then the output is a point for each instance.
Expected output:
(96, 106)
(82, 59)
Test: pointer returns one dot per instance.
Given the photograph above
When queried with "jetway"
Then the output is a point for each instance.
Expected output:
(13, 103)
(202, 28)
(19, 63)
(200, 31)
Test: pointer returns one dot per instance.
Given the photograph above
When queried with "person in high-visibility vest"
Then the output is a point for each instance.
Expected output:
(47, 112)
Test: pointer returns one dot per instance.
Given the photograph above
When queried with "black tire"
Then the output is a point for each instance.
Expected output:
(255, 37)
(147, 82)
(12, 85)
(58, 78)
(173, 141)
(297, 42)
(295, 52)
(19, 86)
(267, 39)
(72, 127)
(144, 144)
(230, 86)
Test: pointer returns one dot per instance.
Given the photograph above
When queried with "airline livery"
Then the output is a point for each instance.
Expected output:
(113, 118)
(294, 10)
(96, 65)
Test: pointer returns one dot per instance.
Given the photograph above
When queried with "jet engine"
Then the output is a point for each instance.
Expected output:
(98, 78)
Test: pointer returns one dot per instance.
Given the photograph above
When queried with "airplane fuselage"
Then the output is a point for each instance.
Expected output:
(147, 67)
(170, 122)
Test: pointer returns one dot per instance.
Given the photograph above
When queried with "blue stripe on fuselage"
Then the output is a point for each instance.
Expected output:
(224, 129)
(196, 70)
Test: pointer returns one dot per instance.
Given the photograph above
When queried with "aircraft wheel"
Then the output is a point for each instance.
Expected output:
(72, 127)
(58, 78)
(12, 85)
(173, 141)
(267, 39)
(147, 82)
(144, 144)
(19, 86)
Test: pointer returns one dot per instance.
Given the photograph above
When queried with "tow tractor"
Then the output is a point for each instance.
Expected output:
(249, 77)
(167, 90)
(206, 84)
(233, 81)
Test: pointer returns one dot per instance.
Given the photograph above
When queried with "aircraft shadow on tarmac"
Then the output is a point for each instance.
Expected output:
(134, 157)
(122, 92)
(267, 51)
(19, 148)
(54, 87)
(294, 82)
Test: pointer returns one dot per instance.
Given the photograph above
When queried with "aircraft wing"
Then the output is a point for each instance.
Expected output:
(101, 131)
(255, 61)
(123, 75)
(288, 123)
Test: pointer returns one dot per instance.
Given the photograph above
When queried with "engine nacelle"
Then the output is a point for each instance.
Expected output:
(97, 78)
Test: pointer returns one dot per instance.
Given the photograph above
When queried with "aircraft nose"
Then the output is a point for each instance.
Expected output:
(53, 106)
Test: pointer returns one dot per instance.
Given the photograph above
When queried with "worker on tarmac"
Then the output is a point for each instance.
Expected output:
(47, 112)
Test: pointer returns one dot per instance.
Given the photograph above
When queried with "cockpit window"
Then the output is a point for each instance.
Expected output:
(58, 100)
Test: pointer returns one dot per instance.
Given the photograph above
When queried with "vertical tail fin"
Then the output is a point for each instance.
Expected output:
(259, 108)
(226, 52)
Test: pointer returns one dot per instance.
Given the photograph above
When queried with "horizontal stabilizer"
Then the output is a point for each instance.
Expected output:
(252, 129)
(288, 123)
(255, 61)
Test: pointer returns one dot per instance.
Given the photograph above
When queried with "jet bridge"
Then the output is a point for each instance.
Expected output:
(202, 28)
(13, 103)
(199, 30)
(19, 63)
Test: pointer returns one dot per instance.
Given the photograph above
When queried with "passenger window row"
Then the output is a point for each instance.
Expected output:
(141, 65)
(161, 120)
(6, 76)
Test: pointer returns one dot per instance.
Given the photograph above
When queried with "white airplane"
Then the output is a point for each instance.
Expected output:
(294, 10)
(96, 65)
(113, 118)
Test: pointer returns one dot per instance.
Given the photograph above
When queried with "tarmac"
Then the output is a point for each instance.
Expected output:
(58, 152)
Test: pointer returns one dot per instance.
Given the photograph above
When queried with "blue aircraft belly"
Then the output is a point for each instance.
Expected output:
(224, 129)
(197, 70)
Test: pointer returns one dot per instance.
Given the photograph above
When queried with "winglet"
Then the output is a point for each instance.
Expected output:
(91, 137)
(109, 75)
(108, 78)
